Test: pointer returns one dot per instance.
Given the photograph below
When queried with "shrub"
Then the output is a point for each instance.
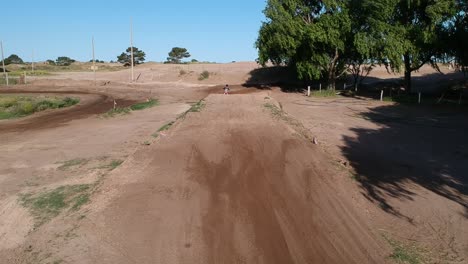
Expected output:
(204, 75)
(26, 108)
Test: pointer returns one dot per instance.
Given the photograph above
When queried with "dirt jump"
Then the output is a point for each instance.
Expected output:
(231, 184)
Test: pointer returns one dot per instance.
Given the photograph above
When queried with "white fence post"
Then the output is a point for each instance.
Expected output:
(308, 91)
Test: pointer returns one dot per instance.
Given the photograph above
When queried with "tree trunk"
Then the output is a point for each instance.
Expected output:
(332, 71)
(332, 80)
(408, 69)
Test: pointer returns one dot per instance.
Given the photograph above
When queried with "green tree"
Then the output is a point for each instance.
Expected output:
(13, 59)
(456, 36)
(408, 30)
(361, 50)
(177, 54)
(309, 36)
(64, 61)
(125, 58)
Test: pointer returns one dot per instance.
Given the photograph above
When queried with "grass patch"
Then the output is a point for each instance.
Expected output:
(11, 81)
(197, 107)
(204, 75)
(47, 205)
(74, 67)
(72, 163)
(163, 128)
(323, 93)
(126, 110)
(114, 164)
(144, 105)
(29, 73)
(403, 253)
(117, 111)
(275, 111)
(166, 126)
(15, 106)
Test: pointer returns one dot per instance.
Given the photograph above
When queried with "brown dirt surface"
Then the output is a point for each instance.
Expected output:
(408, 162)
(229, 184)
(238, 182)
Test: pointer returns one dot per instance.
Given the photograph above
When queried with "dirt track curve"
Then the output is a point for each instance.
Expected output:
(227, 185)
(90, 104)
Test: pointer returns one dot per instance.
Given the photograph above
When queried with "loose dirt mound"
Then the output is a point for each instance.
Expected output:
(228, 185)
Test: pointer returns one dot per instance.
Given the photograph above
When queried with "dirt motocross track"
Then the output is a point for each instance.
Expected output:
(228, 185)
(237, 182)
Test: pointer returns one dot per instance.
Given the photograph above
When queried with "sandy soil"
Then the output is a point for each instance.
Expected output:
(229, 184)
(232, 183)
(409, 163)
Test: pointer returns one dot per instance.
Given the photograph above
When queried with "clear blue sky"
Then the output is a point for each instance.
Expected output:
(212, 30)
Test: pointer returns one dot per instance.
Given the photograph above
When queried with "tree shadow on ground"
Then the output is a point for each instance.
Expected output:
(284, 78)
(414, 145)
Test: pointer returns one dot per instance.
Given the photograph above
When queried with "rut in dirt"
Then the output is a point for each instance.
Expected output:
(230, 184)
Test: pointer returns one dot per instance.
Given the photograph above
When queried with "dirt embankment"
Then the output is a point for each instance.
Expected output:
(229, 184)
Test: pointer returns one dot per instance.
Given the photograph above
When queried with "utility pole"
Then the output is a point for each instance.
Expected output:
(32, 62)
(3, 64)
(131, 47)
(94, 63)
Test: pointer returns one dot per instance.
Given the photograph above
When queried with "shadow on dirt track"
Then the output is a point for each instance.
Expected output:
(424, 146)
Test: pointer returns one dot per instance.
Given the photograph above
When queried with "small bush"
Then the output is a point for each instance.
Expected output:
(26, 108)
(204, 75)
(144, 105)
(182, 72)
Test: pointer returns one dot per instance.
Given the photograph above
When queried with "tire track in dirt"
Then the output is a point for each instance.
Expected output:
(227, 185)
(90, 104)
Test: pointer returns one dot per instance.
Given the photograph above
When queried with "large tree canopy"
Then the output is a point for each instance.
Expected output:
(64, 61)
(456, 35)
(319, 38)
(177, 54)
(13, 59)
(309, 36)
(408, 31)
(126, 57)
